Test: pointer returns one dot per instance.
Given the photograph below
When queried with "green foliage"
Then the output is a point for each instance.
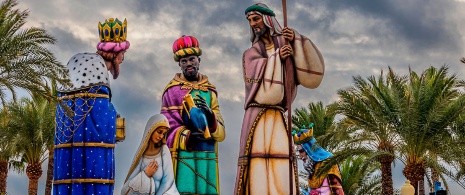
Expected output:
(371, 107)
(25, 62)
(358, 174)
(359, 177)
(433, 102)
(32, 127)
(418, 117)
(326, 131)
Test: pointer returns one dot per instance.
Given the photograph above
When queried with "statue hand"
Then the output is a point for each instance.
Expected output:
(285, 52)
(151, 168)
(199, 135)
(202, 104)
(288, 34)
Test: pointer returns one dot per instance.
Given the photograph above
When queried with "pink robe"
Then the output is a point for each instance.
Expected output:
(263, 164)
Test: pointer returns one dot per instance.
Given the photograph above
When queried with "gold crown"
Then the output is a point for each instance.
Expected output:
(303, 135)
(112, 30)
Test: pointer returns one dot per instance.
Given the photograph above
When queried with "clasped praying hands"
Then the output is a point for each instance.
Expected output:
(151, 168)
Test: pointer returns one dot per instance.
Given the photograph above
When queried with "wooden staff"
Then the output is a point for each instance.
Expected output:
(288, 91)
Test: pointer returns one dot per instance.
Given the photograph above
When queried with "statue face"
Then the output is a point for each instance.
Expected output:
(302, 154)
(158, 135)
(190, 67)
(257, 24)
(114, 67)
(120, 57)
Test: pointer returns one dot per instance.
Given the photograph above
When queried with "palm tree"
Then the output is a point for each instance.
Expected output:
(432, 102)
(6, 150)
(5, 153)
(359, 178)
(32, 122)
(371, 106)
(24, 61)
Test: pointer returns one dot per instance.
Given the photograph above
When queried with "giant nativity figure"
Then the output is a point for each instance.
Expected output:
(85, 133)
(190, 103)
(151, 171)
(313, 156)
(263, 164)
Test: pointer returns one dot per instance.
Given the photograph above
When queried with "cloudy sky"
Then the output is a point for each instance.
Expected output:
(356, 37)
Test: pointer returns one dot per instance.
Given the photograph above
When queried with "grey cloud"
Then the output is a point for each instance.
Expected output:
(66, 43)
(420, 23)
(382, 33)
(147, 6)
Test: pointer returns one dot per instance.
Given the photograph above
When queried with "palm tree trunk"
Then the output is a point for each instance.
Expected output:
(386, 180)
(48, 183)
(415, 171)
(3, 175)
(33, 186)
(421, 187)
(33, 172)
(415, 185)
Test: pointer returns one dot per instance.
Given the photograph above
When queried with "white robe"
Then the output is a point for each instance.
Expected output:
(161, 182)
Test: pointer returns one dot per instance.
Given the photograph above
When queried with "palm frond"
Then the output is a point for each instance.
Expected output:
(25, 62)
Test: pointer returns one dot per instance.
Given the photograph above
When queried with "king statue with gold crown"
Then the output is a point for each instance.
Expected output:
(313, 157)
(86, 121)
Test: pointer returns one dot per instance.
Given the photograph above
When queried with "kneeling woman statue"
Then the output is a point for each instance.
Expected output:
(151, 170)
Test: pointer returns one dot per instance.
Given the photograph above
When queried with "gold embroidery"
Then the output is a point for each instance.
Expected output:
(252, 129)
(84, 144)
(68, 181)
(249, 80)
(81, 95)
(266, 106)
(190, 86)
(246, 79)
(172, 108)
(246, 153)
